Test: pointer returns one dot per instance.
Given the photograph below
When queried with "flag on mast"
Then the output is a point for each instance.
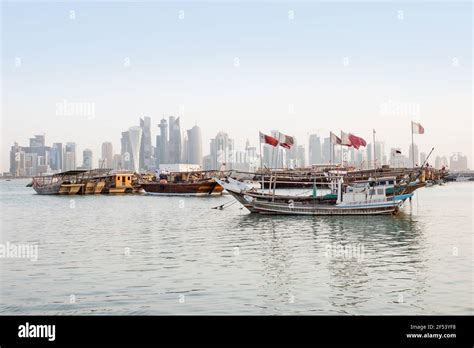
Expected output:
(345, 139)
(417, 128)
(349, 139)
(335, 139)
(266, 139)
(287, 141)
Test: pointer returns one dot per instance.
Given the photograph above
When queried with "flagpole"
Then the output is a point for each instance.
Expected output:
(277, 151)
(261, 158)
(341, 149)
(373, 135)
(331, 148)
(412, 147)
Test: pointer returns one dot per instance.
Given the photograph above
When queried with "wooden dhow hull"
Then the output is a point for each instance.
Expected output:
(206, 188)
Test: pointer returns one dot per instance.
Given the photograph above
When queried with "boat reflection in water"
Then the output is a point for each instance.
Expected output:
(351, 263)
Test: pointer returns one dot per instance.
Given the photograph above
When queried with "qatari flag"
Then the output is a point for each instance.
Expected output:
(287, 142)
(345, 139)
(357, 141)
(266, 139)
(335, 139)
(417, 128)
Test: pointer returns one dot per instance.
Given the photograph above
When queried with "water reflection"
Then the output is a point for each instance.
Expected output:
(359, 259)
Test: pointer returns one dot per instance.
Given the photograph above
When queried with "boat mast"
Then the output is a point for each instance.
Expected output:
(261, 158)
(412, 147)
(331, 149)
(341, 149)
(373, 150)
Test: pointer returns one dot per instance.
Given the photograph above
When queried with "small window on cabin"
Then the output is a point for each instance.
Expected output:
(128, 178)
(123, 178)
(372, 191)
(380, 191)
(391, 182)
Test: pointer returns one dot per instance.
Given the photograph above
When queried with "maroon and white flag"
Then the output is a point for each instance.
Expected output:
(286, 141)
(345, 139)
(349, 139)
(266, 139)
(335, 139)
(417, 128)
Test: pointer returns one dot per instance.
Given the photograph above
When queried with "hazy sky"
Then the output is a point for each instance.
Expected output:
(239, 67)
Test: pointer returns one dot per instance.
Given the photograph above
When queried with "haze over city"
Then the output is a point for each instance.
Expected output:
(312, 68)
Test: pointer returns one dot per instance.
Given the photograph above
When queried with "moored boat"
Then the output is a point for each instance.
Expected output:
(165, 188)
(360, 199)
(65, 183)
(119, 183)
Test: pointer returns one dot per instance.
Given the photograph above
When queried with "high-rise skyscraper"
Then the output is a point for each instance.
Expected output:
(56, 157)
(70, 156)
(222, 151)
(87, 159)
(126, 151)
(37, 141)
(300, 156)
(458, 162)
(184, 149)
(315, 153)
(17, 160)
(380, 153)
(146, 148)
(107, 155)
(370, 155)
(327, 148)
(174, 140)
(135, 135)
(163, 142)
(157, 151)
(267, 156)
(277, 153)
(117, 162)
(194, 146)
(441, 162)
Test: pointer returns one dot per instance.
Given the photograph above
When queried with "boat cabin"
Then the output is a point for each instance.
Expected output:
(385, 181)
(371, 190)
(123, 180)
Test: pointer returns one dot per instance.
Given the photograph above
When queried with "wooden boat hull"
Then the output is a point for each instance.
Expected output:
(123, 189)
(93, 187)
(70, 189)
(274, 208)
(99, 186)
(183, 189)
(52, 189)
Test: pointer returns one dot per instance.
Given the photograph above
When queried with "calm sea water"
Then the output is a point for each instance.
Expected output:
(171, 255)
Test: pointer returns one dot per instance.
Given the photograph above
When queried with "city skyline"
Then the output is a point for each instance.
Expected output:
(417, 68)
(138, 154)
